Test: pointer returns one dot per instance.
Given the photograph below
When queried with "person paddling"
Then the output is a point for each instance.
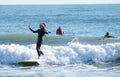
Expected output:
(59, 31)
(107, 35)
(41, 32)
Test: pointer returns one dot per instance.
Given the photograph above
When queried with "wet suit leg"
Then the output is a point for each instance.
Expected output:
(38, 49)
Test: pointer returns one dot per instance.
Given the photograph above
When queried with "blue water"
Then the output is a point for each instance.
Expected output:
(80, 52)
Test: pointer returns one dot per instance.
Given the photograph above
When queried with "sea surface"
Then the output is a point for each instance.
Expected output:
(80, 52)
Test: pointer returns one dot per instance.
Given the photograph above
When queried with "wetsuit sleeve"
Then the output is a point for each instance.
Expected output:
(33, 30)
(46, 31)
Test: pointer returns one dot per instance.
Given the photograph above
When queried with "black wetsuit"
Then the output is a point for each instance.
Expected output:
(41, 32)
(108, 36)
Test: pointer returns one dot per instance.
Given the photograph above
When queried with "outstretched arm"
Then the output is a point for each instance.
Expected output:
(46, 32)
(32, 30)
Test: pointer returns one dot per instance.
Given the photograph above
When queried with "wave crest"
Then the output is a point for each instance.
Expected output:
(71, 53)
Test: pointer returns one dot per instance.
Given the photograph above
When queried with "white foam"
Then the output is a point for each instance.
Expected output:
(13, 53)
(71, 53)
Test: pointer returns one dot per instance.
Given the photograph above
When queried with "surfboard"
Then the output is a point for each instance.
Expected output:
(110, 38)
(28, 63)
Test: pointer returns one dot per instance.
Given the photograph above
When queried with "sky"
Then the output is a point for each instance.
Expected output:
(2, 2)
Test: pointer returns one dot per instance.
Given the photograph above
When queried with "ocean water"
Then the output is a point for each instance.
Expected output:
(80, 52)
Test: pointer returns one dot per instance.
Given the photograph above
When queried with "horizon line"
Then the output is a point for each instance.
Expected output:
(64, 4)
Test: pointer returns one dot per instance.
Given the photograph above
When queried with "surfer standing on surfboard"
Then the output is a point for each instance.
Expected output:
(41, 32)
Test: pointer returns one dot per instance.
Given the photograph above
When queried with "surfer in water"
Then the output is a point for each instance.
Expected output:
(59, 31)
(107, 35)
(41, 32)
